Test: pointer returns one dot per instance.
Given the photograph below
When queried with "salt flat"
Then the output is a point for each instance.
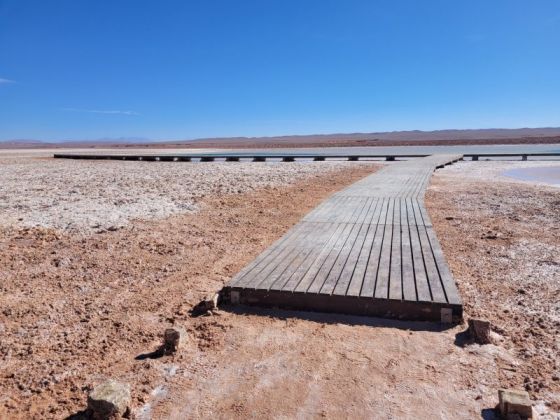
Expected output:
(94, 196)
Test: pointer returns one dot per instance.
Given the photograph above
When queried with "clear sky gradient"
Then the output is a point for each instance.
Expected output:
(88, 69)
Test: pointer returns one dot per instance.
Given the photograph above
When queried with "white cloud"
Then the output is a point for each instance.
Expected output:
(6, 81)
(103, 111)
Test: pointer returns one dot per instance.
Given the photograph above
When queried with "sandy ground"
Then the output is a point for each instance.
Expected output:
(79, 305)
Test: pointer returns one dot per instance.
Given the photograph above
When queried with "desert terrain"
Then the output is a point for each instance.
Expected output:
(98, 258)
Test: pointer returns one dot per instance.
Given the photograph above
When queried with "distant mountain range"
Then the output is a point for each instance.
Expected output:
(41, 143)
(443, 137)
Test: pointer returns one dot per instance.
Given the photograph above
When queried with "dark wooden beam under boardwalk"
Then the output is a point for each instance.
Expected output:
(369, 249)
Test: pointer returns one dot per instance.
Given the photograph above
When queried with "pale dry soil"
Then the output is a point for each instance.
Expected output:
(83, 196)
(79, 303)
(501, 237)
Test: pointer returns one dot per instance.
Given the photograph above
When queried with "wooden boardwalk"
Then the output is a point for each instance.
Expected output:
(369, 249)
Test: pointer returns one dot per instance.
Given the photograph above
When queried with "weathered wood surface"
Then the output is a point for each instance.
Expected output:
(369, 249)
(321, 154)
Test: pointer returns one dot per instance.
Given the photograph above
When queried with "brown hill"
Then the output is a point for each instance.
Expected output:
(395, 138)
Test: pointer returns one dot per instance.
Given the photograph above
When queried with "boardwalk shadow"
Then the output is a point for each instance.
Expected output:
(333, 318)
(463, 338)
(489, 414)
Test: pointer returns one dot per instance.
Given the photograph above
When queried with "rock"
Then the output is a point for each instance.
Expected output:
(515, 404)
(174, 339)
(206, 305)
(480, 331)
(109, 400)
(61, 262)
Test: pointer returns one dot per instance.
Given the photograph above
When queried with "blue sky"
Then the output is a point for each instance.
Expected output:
(86, 69)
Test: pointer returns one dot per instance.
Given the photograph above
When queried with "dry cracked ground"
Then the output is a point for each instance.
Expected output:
(98, 258)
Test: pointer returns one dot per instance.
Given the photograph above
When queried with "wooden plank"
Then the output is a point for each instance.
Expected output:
(340, 209)
(426, 221)
(350, 264)
(308, 276)
(313, 280)
(452, 294)
(261, 278)
(395, 278)
(337, 256)
(286, 261)
(313, 242)
(321, 210)
(358, 274)
(384, 267)
(370, 275)
(366, 210)
(241, 278)
(343, 282)
(305, 282)
(407, 267)
(432, 274)
(421, 280)
(400, 309)
(296, 277)
(334, 272)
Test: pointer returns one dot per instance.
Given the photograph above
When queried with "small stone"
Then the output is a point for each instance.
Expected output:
(480, 331)
(174, 339)
(109, 400)
(515, 404)
(206, 305)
